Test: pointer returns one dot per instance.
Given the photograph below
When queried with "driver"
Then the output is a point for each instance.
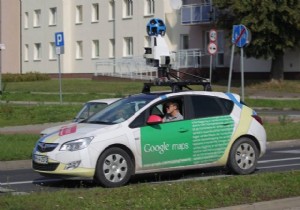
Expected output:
(173, 114)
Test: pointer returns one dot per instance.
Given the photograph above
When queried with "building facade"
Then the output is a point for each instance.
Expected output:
(10, 36)
(109, 35)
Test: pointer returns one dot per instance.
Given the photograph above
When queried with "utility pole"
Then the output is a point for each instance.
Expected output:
(1, 46)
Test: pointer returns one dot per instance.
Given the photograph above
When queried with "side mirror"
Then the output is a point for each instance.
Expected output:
(154, 119)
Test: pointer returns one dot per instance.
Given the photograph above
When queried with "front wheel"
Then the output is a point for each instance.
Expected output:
(114, 168)
(243, 156)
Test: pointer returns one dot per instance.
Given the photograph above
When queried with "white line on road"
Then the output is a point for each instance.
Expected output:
(277, 160)
(30, 182)
(278, 166)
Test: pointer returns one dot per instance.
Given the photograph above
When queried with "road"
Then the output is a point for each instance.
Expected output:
(283, 158)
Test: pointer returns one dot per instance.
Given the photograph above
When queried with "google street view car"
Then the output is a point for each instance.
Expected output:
(130, 137)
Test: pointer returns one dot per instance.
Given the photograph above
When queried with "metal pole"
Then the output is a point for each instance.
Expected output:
(210, 69)
(59, 76)
(231, 66)
(242, 73)
(0, 47)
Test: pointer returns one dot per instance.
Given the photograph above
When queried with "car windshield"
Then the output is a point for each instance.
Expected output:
(89, 109)
(121, 110)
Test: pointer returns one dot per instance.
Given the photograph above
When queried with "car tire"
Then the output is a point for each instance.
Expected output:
(243, 156)
(114, 168)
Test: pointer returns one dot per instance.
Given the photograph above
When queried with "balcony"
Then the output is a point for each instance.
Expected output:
(197, 14)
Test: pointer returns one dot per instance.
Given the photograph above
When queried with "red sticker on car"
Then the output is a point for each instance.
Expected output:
(65, 130)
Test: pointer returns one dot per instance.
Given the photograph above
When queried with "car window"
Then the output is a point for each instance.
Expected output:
(205, 106)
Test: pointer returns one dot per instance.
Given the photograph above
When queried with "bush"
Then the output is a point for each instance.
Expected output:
(30, 76)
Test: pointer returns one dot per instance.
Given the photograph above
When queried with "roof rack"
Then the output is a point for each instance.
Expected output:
(175, 82)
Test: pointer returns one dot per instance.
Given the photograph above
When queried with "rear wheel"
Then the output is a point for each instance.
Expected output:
(243, 156)
(114, 168)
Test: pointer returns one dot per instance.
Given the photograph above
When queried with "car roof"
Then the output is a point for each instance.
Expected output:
(104, 100)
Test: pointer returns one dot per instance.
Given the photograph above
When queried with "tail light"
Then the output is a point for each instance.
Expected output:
(258, 119)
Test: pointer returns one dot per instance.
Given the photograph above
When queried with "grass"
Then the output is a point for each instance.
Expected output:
(17, 147)
(197, 194)
(11, 115)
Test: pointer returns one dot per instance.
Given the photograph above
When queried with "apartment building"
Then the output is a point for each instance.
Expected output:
(107, 35)
(10, 36)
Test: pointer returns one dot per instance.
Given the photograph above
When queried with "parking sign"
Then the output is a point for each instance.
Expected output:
(59, 39)
(59, 43)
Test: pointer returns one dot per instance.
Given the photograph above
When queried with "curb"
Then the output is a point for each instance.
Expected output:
(26, 164)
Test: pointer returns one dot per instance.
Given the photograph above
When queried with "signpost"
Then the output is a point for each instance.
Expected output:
(212, 48)
(2, 47)
(241, 37)
(59, 43)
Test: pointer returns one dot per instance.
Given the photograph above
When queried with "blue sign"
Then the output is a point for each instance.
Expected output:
(59, 39)
(241, 36)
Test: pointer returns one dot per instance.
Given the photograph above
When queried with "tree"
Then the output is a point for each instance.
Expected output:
(274, 26)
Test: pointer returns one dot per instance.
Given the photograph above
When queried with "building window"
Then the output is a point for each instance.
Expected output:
(95, 49)
(111, 48)
(79, 50)
(184, 41)
(111, 10)
(52, 51)
(26, 52)
(128, 47)
(37, 51)
(37, 18)
(26, 20)
(127, 8)
(79, 14)
(149, 7)
(52, 16)
(95, 12)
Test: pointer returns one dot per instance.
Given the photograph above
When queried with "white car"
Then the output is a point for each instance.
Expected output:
(88, 109)
(128, 137)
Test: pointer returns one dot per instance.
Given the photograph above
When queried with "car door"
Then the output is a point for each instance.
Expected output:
(166, 144)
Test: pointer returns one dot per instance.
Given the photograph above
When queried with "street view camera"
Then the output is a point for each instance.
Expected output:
(158, 55)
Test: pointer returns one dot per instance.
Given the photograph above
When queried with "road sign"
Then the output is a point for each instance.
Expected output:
(212, 48)
(213, 35)
(241, 36)
(59, 39)
(59, 43)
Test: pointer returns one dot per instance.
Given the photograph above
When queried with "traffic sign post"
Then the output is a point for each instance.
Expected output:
(2, 47)
(212, 49)
(241, 37)
(59, 44)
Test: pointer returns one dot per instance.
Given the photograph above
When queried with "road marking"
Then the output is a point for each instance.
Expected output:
(31, 182)
(278, 166)
(289, 151)
(277, 160)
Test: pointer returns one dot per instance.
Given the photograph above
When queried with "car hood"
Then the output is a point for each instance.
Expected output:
(74, 131)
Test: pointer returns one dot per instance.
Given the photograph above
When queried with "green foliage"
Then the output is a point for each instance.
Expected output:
(275, 25)
(30, 76)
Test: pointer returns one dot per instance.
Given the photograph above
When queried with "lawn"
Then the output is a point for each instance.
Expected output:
(193, 194)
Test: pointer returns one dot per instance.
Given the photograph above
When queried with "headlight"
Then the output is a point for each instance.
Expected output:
(77, 144)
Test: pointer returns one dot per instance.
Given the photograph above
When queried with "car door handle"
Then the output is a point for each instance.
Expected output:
(183, 130)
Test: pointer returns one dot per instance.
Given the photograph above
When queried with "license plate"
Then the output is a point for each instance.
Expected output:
(41, 159)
